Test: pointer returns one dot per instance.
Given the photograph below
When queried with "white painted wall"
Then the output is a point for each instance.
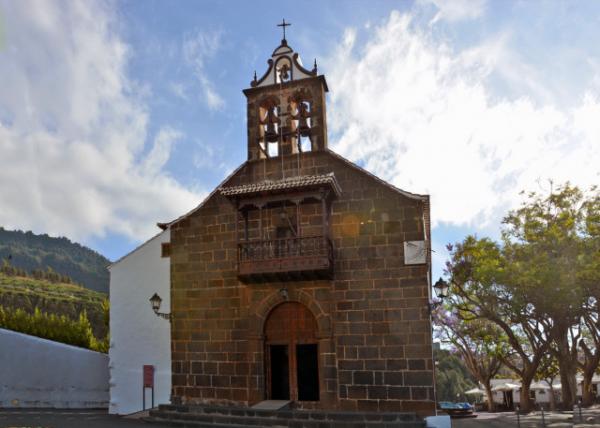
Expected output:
(138, 336)
(37, 372)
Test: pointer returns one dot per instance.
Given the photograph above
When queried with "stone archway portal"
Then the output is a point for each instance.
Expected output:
(292, 353)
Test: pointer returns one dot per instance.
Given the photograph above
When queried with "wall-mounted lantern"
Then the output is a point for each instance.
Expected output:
(441, 292)
(155, 302)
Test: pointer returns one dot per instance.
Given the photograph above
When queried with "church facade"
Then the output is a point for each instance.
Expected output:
(302, 277)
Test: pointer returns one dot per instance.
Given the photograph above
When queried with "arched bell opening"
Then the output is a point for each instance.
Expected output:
(269, 119)
(292, 353)
(300, 112)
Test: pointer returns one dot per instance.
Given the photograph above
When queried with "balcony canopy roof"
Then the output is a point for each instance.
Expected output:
(286, 185)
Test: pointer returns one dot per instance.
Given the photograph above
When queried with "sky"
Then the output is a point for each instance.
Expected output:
(117, 115)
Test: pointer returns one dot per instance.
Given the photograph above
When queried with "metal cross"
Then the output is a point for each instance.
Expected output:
(284, 24)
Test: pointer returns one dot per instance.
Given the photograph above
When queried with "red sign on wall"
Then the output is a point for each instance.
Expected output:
(148, 376)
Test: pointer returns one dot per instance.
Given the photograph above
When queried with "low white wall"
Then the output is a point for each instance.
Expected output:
(37, 372)
(138, 336)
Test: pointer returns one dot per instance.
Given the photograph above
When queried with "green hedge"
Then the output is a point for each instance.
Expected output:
(53, 327)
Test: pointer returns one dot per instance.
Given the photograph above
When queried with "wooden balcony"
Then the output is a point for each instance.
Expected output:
(300, 258)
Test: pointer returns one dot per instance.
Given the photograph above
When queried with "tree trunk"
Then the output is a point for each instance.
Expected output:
(524, 399)
(567, 368)
(489, 395)
(589, 366)
(567, 380)
(588, 388)
(552, 396)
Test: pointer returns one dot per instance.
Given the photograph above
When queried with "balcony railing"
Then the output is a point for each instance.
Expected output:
(309, 257)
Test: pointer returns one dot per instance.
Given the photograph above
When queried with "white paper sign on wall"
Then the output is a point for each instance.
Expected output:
(415, 252)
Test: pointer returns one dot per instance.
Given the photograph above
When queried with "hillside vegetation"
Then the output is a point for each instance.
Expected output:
(54, 327)
(31, 252)
(69, 300)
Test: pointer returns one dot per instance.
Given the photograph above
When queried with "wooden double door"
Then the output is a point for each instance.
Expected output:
(292, 353)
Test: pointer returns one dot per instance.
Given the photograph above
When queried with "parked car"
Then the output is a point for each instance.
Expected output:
(457, 410)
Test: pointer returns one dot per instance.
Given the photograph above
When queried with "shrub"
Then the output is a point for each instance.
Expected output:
(53, 327)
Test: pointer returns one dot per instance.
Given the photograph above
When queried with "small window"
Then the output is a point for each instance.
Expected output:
(165, 249)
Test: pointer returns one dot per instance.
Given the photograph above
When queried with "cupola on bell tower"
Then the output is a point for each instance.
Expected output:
(286, 107)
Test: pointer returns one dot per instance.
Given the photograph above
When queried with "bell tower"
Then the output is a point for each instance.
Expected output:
(286, 107)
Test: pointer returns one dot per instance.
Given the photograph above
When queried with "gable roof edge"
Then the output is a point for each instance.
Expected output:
(143, 244)
(410, 195)
(166, 225)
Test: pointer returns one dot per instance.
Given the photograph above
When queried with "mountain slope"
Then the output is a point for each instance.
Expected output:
(29, 251)
(70, 300)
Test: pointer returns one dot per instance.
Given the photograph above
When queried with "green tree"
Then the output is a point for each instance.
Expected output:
(452, 377)
(590, 347)
(480, 343)
(53, 327)
(477, 270)
(548, 371)
(103, 344)
(548, 271)
(589, 277)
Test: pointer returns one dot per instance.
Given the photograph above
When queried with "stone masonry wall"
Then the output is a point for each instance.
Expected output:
(374, 326)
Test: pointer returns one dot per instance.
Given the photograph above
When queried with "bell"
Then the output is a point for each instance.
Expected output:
(303, 115)
(271, 131)
(303, 128)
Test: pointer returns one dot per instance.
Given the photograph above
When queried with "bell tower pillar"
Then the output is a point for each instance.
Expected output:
(286, 107)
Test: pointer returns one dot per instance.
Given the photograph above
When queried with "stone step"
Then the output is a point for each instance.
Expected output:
(272, 405)
(191, 424)
(216, 418)
(237, 417)
(257, 422)
(332, 415)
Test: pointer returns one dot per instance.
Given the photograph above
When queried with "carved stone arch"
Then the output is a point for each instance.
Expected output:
(269, 122)
(302, 94)
(300, 108)
(269, 101)
(260, 314)
(266, 103)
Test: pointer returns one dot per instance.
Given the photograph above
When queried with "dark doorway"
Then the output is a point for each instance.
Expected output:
(307, 372)
(280, 377)
(292, 358)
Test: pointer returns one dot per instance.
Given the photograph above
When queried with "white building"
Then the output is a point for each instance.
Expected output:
(138, 336)
(595, 383)
(540, 391)
(507, 392)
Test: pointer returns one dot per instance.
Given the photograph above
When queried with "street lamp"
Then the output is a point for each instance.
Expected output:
(441, 289)
(155, 302)
(441, 292)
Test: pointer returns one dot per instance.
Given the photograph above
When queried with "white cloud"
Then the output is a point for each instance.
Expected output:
(456, 10)
(179, 90)
(161, 150)
(197, 50)
(421, 115)
(73, 128)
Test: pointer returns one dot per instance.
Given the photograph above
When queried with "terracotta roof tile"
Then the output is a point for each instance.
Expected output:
(297, 182)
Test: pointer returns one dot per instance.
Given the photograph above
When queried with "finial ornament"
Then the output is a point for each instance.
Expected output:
(314, 70)
(283, 25)
(255, 75)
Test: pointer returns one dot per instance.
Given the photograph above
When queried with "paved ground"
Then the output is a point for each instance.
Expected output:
(99, 419)
(589, 418)
(67, 419)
